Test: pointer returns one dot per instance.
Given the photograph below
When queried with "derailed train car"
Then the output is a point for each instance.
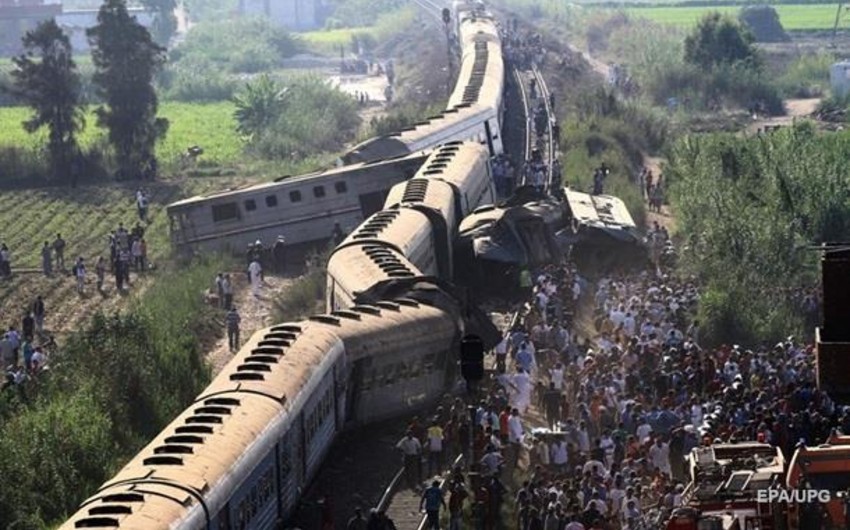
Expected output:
(302, 209)
(240, 455)
(529, 230)
(305, 209)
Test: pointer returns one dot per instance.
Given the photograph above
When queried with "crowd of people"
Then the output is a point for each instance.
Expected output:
(592, 433)
(24, 351)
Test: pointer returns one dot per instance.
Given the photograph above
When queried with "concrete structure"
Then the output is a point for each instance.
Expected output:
(75, 23)
(19, 16)
(298, 15)
(839, 78)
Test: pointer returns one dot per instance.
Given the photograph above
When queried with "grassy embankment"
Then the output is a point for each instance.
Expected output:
(792, 16)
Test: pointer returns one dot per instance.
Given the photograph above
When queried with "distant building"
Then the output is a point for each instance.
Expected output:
(839, 78)
(76, 22)
(297, 15)
(19, 16)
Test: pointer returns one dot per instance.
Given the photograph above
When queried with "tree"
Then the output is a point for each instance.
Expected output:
(46, 79)
(127, 59)
(258, 106)
(719, 39)
(164, 21)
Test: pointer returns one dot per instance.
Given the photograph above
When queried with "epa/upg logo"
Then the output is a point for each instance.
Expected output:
(796, 496)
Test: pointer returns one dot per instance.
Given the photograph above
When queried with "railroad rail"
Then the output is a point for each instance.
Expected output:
(544, 143)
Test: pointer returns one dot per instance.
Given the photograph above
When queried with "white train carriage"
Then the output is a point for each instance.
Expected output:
(407, 231)
(303, 209)
(354, 269)
(401, 355)
(466, 167)
(466, 122)
(482, 71)
(238, 457)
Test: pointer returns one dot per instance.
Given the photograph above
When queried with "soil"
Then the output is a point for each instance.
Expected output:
(256, 313)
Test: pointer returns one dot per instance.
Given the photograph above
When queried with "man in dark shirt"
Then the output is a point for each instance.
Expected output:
(432, 500)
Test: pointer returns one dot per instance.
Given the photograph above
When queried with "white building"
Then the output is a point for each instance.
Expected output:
(839, 78)
(297, 15)
(75, 23)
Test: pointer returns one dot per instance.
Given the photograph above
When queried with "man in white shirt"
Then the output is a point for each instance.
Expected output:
(643, 431)
(556, 376)
(659, 456)
(492, 461)
(558, 454)
(255, 271)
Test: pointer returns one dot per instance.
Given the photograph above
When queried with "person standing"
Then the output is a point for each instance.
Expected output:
(456, 499)
(411, 450)
(80, 274)
(432, 500)
(255, 272)
(219, 289)
(100, 272)
(279, 254)
(59, 250)
(142, 205)
(136, 251)
(46, 260)
(233, 320)
(227, 289)
(435, 448)
(38, 314)
(28, 326)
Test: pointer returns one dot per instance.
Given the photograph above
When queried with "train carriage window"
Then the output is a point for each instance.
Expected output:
(250, 205)
(271, 201)
(295, 196)
(318, 191)
(225, 212)
(341, 187)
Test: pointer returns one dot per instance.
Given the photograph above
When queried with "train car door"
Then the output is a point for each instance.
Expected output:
(372, 202)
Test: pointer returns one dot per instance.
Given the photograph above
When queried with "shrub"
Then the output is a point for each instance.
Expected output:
(305, 295)
(316, 118)
(244, 45)
(748, 207)
(808, 76)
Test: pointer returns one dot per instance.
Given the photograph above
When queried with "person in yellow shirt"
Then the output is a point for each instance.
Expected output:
(435, 448)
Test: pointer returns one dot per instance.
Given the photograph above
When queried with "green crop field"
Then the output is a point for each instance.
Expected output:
(209, 125)
(792, 16)
(84, 216)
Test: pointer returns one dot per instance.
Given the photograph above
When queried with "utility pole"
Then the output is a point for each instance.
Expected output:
(447, 18)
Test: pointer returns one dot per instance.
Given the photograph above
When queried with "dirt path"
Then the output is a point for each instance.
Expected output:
(665, 218)
(796, 108)
(256, 314)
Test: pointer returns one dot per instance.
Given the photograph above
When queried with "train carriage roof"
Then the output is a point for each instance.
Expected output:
(375, 149)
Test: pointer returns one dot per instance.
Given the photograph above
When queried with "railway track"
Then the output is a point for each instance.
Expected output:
(539, 149)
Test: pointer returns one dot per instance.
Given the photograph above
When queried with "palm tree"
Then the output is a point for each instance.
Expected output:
(259, 106)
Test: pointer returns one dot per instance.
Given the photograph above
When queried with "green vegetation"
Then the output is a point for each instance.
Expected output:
(246, 45)
(314, 118)
(603, 129)
(720, 40)
(663, 67)
(51, 87)
(304, 296)
(354, 13)
(747, 208)
(118, 382)
(209, 125)
(380, 29)
(807, 76)
(127, 59)
(792, 17)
